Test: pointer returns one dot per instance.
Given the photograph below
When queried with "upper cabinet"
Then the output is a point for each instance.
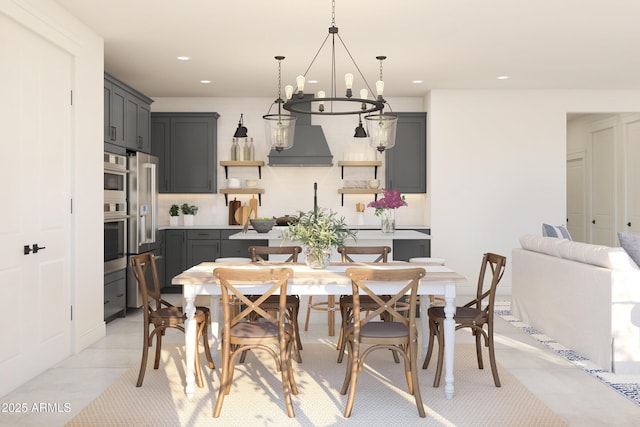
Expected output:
(406, 162)
(115, 99)
(186, 145)
(126, 117)
(138, 124)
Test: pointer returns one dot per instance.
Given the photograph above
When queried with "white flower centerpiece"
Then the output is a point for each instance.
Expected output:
(320, 232)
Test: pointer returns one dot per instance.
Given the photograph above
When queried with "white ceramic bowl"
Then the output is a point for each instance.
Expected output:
(374, 183)
(251, 183)
(233, 183)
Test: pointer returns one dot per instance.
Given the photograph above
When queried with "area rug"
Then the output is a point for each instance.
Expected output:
(627, 385)
(256, 396)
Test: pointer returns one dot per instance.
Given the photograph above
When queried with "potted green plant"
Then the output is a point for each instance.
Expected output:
(188, 212)
(320, 232)
(174, 212)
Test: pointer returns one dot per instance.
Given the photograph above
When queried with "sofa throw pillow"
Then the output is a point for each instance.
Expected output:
(559, 231)
(631, 244)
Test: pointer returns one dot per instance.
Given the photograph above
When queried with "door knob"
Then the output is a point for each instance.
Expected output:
(36, 248)
(628, 224)
(593, 221)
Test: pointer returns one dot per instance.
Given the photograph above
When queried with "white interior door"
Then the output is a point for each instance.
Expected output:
(631, 138)
(35, 88)
(603, 186)
(576, 197)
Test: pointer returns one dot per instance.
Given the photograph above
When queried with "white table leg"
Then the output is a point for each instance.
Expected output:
(190, 341)
(450, 343)
(215, 326)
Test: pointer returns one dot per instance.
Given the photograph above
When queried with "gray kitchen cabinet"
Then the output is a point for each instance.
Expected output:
(186, 248)
(115, 294)
(115, 98)
(126, 117)
(186, 145)
(403, 250)
(237, 248)
(406, 162)
(202, 245)
(175, 258)
(138, 124)
(159, 253)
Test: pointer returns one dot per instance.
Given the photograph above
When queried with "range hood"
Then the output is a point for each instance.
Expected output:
(310, 146)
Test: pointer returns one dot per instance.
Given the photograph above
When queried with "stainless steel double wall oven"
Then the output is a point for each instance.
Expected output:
(115, 212)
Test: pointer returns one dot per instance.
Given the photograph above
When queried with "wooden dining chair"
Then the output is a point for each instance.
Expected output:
(475, 315)
(160, 315)
(366, 303)
(272, 303)
(399, 336)
(272, 334)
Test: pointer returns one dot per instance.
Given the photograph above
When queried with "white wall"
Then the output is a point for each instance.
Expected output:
(51, 22)
(287, 189)
(497, 167)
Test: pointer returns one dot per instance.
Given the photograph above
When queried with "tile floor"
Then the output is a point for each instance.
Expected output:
(572, 393)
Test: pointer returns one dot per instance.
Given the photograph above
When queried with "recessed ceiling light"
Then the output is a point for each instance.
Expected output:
(503, 77)
(205, 81)
(183, 58)
(417, 81)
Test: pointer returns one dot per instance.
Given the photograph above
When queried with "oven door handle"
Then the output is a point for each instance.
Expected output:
(115, 217)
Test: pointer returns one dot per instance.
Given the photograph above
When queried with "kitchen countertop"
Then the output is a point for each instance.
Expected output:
(276, 234)
(239, 227)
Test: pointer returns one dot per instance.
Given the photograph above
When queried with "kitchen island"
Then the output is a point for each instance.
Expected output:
(395, 241)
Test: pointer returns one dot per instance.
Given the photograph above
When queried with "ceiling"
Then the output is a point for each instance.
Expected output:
(448, 44)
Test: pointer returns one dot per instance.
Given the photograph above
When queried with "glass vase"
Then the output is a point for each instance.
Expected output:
(317, 258)
(388, 221)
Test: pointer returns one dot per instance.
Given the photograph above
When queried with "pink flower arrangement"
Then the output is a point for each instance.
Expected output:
(392, 200)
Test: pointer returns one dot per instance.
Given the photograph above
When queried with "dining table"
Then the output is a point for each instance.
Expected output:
(332, 280)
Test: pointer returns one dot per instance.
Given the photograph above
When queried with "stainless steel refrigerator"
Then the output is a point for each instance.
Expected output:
(143, 204)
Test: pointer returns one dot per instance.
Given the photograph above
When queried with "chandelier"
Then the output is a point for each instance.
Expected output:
(381, 127)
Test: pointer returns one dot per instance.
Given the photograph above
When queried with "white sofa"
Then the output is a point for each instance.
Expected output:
(586, 297)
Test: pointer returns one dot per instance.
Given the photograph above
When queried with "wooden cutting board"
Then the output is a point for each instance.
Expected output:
(242, 214)
(253, 204)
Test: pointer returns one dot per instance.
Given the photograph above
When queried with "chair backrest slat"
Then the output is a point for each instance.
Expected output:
(231, 278)
(363, 281)
(257, 251)
(140, 265)
(491, 272)
(382, 252)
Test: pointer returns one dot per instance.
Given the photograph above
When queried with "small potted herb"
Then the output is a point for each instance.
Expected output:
(174, 212)
(189, 212)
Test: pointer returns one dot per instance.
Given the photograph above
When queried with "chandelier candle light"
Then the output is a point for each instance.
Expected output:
(381, 126)
(386, 208)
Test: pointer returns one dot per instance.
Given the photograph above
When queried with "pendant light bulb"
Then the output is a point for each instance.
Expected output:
(348, 82)
(380, 88)
(364, 93)
(288, 91)
(300, 83)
